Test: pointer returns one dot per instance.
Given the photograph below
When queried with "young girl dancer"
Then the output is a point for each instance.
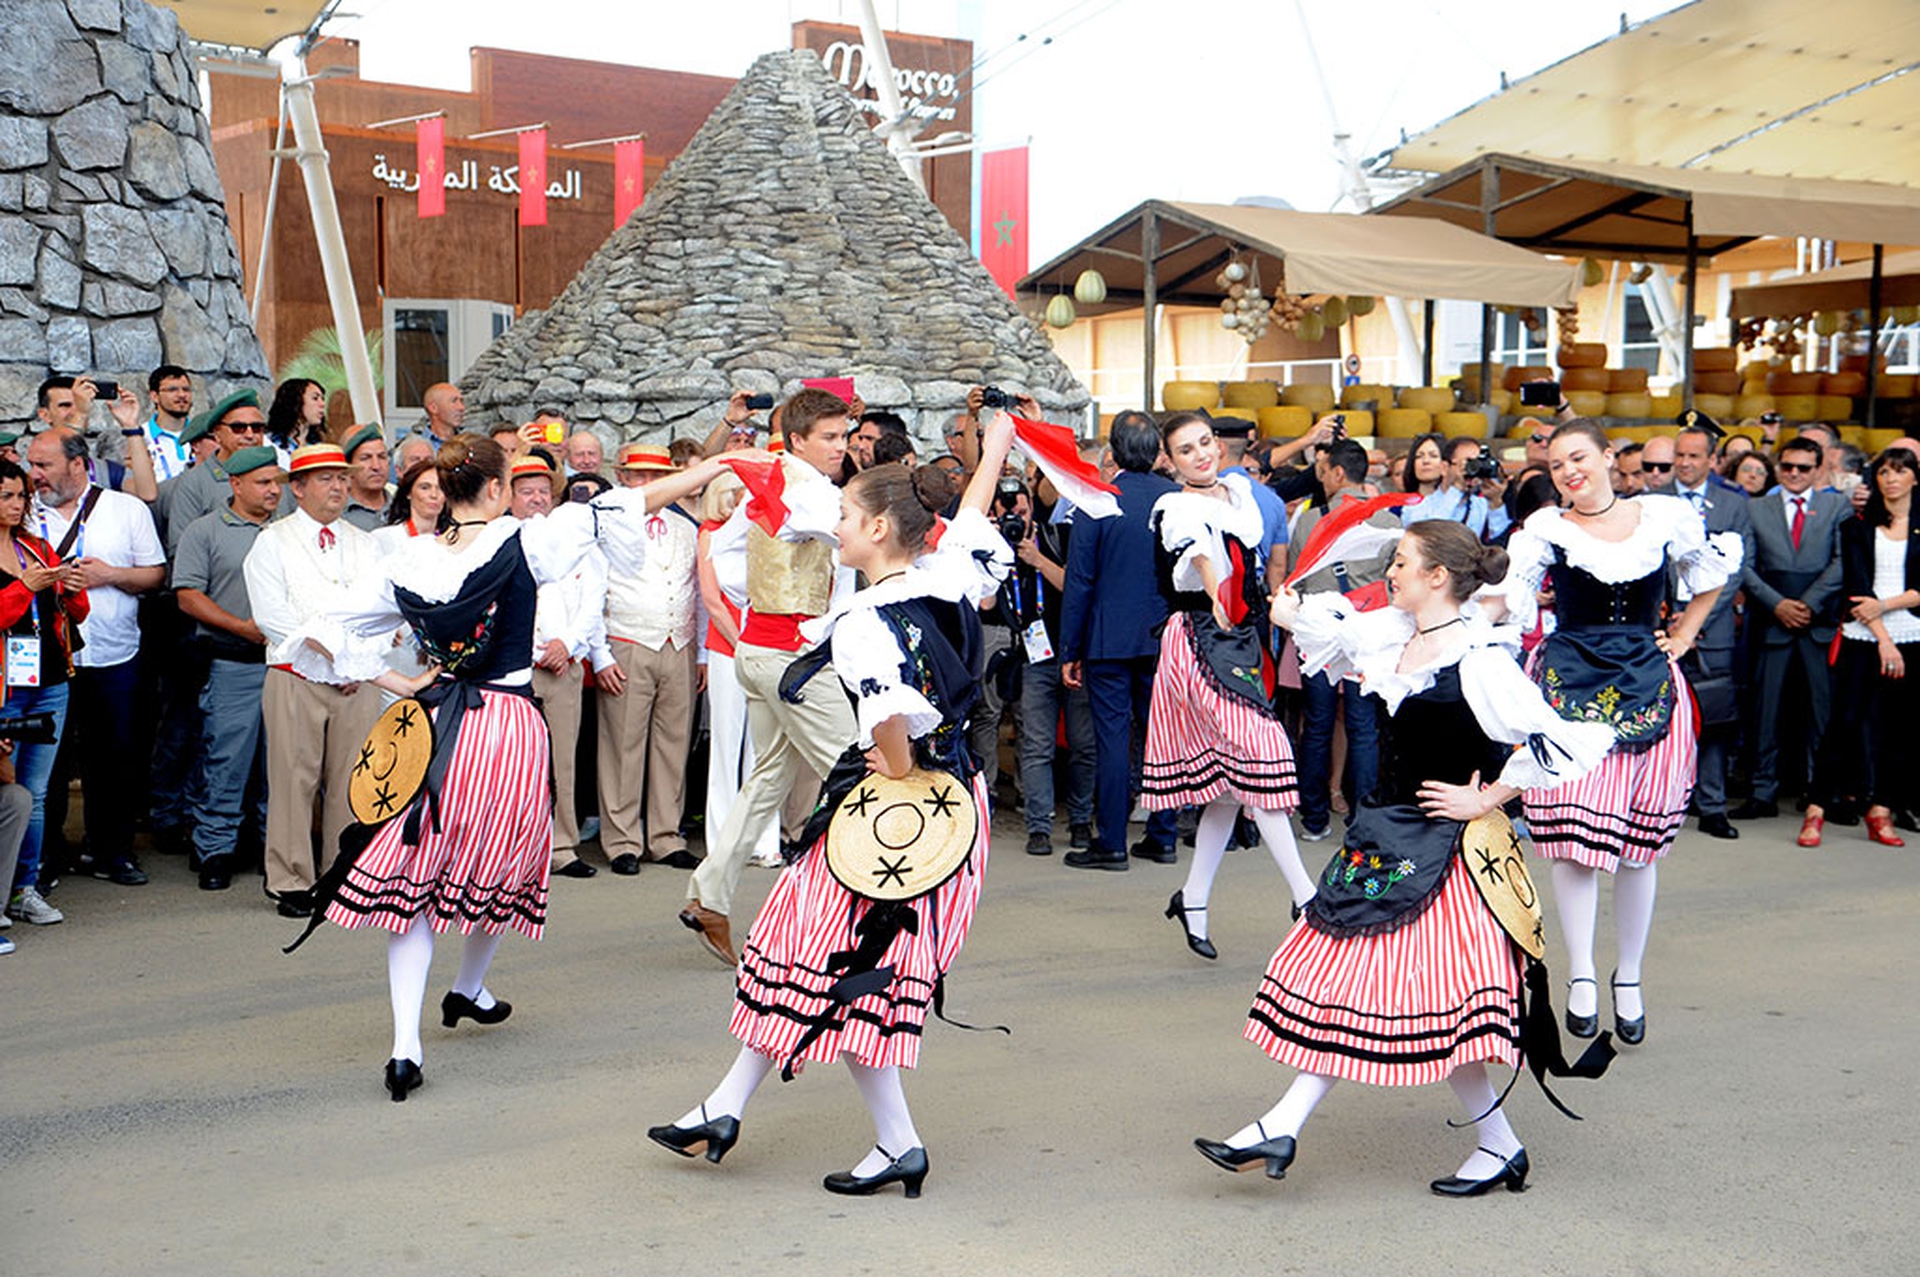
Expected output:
(1213, 740)
(1400, 974)
(908, 648)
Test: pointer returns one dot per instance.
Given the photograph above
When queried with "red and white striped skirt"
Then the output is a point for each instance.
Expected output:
(783, 981)
(1403, 1008)
(1204, 744)
(1628, 808)
(486, 868)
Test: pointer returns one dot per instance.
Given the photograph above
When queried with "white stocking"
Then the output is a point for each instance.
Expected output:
(1289, 1115)
(1576, 898)
(892, 1123)
(729, 1099)
(1497, 1140)
(409, 958)
(1209, 846)
(1633, 890)
(475, 957)
(1277, 832)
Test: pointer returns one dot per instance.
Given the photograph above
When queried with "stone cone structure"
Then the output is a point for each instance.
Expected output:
(784, 242)
(115, 253)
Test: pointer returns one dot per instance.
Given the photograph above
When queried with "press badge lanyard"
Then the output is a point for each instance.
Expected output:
(23, 650)
(1039, 646)
(79, 532)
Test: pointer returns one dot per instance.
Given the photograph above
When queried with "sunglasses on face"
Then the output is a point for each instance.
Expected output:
(1658, 467)
(1541, 438)
(1796, 467)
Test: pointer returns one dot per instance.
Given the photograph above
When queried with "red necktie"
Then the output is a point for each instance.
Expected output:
(326, 538)
(1799, 519)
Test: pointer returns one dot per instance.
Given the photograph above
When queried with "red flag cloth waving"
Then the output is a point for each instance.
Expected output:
(533, 177)
(1003, 215)
(1055, 450)
(1345, 534)
(766, 485)
(629, 179)
(430, 159)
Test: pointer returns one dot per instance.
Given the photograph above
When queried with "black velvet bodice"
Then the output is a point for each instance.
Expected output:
(1582, 601)
(1433, 736)
(484, 632)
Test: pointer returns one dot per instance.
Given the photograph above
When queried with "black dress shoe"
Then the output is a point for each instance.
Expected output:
(123, 872)
(1717, 826)
(1091, 859)
(576, 869)
(1275, 1155)
(1080, 836)
(909, 1170)
(1039, 844)
(294, 904)
(1903, 819)
(715, 1135)
(1754, 809)
(1513, 1174)
(456, 1005)
(1148, 849)
(402, 1076)
(1843, 814)
(216, 873)
(1632, 1032)
(626, 864)
(681, 859)
(1582, 1026)
(1178, 911)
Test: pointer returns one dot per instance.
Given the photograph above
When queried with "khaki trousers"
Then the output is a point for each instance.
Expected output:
(788, 739)
(646, 733)
(314, 734)
(560, 705)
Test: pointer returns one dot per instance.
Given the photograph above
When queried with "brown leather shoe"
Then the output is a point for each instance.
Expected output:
(712, 927)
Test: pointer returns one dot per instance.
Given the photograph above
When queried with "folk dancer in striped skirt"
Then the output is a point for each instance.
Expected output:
(1213, 740)
(826, 974)
(1607, 661)
(1400, 974)
(472, 851)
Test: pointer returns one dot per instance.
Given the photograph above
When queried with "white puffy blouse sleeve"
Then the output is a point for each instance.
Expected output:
(1186, 534)
(1704, 561)
(1529, 555)
(615, 521)
(971, 560)
(1336, 639)
(359, 635)
(1550, 751)
(868, 659)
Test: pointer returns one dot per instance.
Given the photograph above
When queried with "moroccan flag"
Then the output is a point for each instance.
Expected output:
(1344, 534)
(430, 159)
(765, 482)
(533, 177)
(1057, 453)
(1003, 215)
(629, 179)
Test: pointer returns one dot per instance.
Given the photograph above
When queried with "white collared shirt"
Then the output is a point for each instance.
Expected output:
(119, 532)
(170, 456)
(573, 610)
(291, 577)
(655, 605)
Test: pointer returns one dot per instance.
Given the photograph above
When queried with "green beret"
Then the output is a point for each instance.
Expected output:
(197, 429)
(365, 434)
(247, 460)
(8, 438)
(238, 399)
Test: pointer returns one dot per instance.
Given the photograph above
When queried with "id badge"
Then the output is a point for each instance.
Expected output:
(23, 660)
(1039, 648)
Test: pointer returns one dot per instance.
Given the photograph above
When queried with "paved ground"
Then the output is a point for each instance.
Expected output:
(180, 1098)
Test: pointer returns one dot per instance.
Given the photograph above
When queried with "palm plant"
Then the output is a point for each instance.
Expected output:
(320, 359)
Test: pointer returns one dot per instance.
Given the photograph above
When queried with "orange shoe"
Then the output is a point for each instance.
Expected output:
(1880, 830)
(1810, 830)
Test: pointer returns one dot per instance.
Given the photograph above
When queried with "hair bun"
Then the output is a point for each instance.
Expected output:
(1491, 567)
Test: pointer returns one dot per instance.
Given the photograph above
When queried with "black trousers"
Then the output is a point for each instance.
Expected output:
(1868, 753)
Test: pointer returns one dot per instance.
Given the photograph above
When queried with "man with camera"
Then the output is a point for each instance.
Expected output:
(1003, 619)
(1471, 471)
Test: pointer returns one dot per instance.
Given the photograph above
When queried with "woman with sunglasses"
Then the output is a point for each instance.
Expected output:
(1868, 742)
(1610, 661)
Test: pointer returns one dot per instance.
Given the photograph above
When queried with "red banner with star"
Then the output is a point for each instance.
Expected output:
(1003, 215)
(629, 179)
(533, 177)
(430, 160)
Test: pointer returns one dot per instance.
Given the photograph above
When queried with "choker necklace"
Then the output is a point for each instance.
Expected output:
(1602, 510)
(888, 577)
(1199, 487)
(453, 529)
(1443, 625)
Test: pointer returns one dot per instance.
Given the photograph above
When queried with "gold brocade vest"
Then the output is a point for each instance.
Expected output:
(788, 578)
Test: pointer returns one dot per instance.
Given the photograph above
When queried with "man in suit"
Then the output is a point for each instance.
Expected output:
(1792, 582)
(1712, 662)
(1110, 616)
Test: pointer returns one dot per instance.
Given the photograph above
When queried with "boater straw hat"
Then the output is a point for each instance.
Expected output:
(316, 457)
(392, 764)
(899, 839)
(645, 456)
(1499, 868)
(533, 465)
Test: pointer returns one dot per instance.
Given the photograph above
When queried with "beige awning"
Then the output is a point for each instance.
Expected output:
(1841, 288)
(244, 24)
(1641, 211)
(1814, 90)
(1315, 253)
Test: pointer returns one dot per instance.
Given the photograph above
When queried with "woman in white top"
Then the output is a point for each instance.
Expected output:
(1867, 748)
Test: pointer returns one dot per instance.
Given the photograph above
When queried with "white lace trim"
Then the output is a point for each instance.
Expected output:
(429, 570)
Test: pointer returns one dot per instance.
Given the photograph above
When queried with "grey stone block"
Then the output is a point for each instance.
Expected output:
(155, 164)
(92, 135)
(119, 242)
(60, 280)
(19, 247)
(130, 346)
(69, 344)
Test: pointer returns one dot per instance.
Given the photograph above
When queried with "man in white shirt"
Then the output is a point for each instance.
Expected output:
(109, 539)
(300, 566)
(1458, 498)
(647, 697)
(569, 629)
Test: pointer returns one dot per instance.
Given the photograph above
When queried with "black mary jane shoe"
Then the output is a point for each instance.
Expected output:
(456, 1005)
(1632, 1032)
(1275, 1154)
(909, 1170)
(402, 1076)
(715, 1135)
(1178, 911)
(1512, 1174)
(1582, 1026)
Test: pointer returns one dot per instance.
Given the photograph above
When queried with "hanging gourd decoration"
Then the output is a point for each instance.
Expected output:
(1060, 311)
(1358, 306)
(1311, 327)
(1333, 312)
(1826, 323)
(1591, 272)
(1244, 311)
(1640, 274)
(1090, 289)
(1234, 272)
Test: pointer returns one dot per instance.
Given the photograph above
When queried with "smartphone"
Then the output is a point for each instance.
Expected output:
(759, 403)
(1339, 425)
(106, 391)
(1540, 394)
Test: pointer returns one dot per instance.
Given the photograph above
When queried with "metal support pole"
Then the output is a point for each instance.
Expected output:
(1149, 300)
(1489, 201)
(1686, 320)
(897, 133)
(1426, 342)
(266, 224)
(1873, 332)
(310, 152)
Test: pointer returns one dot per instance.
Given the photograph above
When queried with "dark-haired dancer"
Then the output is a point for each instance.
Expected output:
(1213, 740)
(1609, 661)
(1399, 974)
(477, 860)
(908, 648)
